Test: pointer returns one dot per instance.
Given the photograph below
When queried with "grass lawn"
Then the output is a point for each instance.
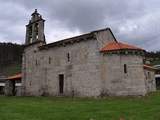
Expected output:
(52, 108)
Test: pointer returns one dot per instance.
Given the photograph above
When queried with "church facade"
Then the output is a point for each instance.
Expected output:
(93, 64)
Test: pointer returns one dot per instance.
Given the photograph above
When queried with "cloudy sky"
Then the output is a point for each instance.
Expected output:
(133, 21)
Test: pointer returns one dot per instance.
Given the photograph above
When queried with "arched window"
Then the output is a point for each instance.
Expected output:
(36, 30)
(30, 34)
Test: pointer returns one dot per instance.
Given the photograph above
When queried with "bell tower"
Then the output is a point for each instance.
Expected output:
(35, 29)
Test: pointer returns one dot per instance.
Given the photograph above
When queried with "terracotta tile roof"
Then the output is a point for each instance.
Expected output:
(149, 67)
(14, 77)
(112, 46)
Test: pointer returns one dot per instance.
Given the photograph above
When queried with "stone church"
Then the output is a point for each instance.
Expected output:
(90, 65)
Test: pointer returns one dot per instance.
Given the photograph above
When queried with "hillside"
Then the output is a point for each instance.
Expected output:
(153, 57)
(10, 58)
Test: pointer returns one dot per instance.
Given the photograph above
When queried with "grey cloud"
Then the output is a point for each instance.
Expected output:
(86, 14)
(132, 21)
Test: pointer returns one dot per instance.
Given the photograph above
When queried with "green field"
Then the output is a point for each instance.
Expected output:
(60, 108)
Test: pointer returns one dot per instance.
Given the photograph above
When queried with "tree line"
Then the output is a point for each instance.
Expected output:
(10, 54)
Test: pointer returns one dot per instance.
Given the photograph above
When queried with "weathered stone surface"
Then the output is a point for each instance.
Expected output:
(119, 83)
(87, 71)
(9, 86)
(150, 80)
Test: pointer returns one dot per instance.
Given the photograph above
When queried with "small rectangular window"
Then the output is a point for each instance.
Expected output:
(149, 75)
(49, 60)
(125, 68)
(36, 62)
(68, 57)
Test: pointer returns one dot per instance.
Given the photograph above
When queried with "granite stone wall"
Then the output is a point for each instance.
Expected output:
(87, 72)
(116, 81)
(79, 63)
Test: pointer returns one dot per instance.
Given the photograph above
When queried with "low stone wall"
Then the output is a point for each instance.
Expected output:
(12, 88)
(9, 85)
